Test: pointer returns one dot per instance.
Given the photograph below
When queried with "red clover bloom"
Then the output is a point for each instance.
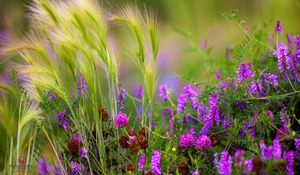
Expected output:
(203, 143)
(121, 120)
(187, 140)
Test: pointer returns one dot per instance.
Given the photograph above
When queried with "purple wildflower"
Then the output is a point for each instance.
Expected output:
(270, 79)
(285, 119)
(297, 144)
(122, 98)
(155, 163)
(196, 172)
(44, 168)
(83, 152)
(76, 168)
(140, 93)
(186, 140)
(282, 53)
(203, 143)
(142, 162)
(218, 74)
(292, 65)
(278, 27)
(121, 120)
(226, 122)
(256, 88)
(249, 166)
(224, 166)
(276, 149)
(52, 96)
(266, 152)
(214, 111)
(239, 158)
(81, 85)
(290, 40)
(289, 159)
(163, 92)
(270, 115)
(297, 52)
(244, 72)
(192, 96)
(181, 106)
(63, 120)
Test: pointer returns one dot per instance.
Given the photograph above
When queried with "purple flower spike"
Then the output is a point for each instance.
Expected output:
(163, 92)
(276, 149)
(289, 159)
(181, 106)
(282, 53)
(155, 163)
(81, 85)
(121, 120)
(278, 27)
(44, 168)
(224, 166)
(121, 98)
(63, 120)
(83, 152)
(297, 144)
(142, 162)
(187, 140)
(244, 72)
(239, 158)
(249, 166)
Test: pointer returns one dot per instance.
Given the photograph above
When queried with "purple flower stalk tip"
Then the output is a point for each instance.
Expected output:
(244, 72)
(81, 85)
(121, 98)
(142, 162)
(83, 152)
(121, 120)
(277, 149)
(278, 27)
(43, 167)
(289, 159)
(224, 166)
(155, 163)
(163, 92)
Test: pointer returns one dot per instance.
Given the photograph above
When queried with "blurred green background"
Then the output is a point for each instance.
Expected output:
(201, 20)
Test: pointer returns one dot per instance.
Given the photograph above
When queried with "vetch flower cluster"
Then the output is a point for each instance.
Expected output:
(155, 163)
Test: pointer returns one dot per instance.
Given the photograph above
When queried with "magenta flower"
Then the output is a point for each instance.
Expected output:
(181, 106)
(278, 27)
(244, 72)
(163, 92)
(44, 168)
(81, 85)
(239, 158)
(203, 143)
(224, 166)
(155, 163)
(121, 98)
(83, 152)
(142, 162)
(187, 140)
(121, 120)
(297, 144)
(289, 159)
(277, 149)
(249, 166)
(282, 53)
(266, 152)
